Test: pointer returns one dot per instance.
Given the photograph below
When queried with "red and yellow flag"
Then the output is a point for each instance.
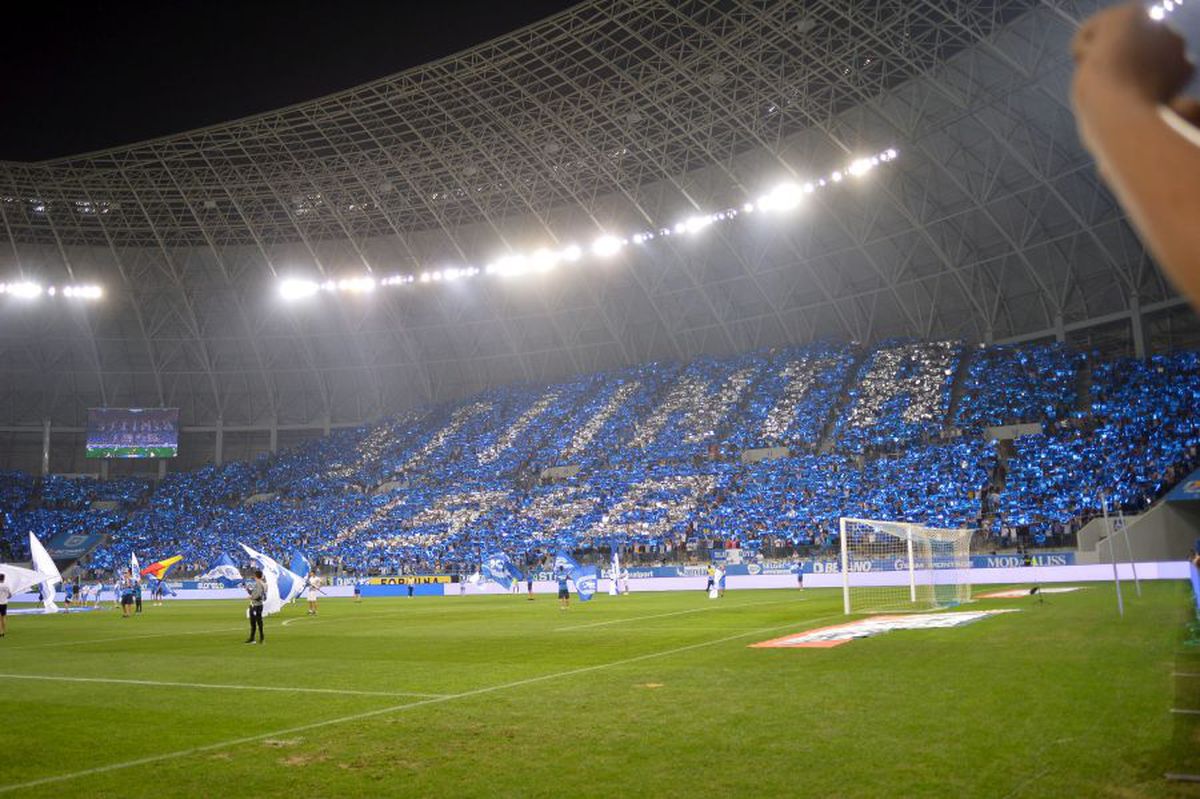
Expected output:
(159, 568)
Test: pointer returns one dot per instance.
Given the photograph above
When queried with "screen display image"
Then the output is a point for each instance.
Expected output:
(132, 432)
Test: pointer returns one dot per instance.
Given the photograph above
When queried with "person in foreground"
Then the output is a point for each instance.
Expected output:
(1142, 131)
(258, 593)
(5, 595)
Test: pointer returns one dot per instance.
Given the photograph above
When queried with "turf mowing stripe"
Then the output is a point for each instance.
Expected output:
(396, 708)
(672, 613)
(220, 686)
(122, 638)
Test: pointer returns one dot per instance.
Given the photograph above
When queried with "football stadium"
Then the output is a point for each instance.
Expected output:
(649, 398)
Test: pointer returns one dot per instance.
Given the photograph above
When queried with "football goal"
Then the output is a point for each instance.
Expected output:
(898, 566)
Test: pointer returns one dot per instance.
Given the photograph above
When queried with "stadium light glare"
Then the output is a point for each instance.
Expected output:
(606, 246)
(784, 197)
(90, 292)
(859, 167)
(509, 266)
(544, 260)
(25, 290)
(295, 289)
(357, 285)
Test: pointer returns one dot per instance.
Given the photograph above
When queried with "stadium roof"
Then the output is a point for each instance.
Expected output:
(609, 116)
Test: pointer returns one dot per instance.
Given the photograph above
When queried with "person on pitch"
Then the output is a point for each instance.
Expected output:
(313, 584)
(5, 595)
(258, 594)
(564, 591)
(126, 592)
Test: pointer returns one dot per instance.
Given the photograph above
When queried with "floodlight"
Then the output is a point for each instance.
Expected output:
(544, 260)
(837, 177)
(606, 246)
(859, 167)
(24, 290)
(357, 285)
(572, 252)
(784, 197)
(697, 223)
(294, 289)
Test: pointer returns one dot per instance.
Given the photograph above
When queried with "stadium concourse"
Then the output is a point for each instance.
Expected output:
(896, 431)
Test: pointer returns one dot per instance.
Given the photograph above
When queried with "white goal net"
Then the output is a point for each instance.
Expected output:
(898, 566)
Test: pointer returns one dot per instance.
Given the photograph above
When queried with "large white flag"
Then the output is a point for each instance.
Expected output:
(615, 575)
(43, 563)
(283, 585)
(20, 580)
(135, 568)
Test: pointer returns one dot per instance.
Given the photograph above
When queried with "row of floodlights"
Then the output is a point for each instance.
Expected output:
(27, 290)
(783, 198)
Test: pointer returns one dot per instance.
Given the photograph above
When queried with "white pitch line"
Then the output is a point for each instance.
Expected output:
(672, 613)
(397, 708)
(298, 618)
(1185, 711)
(1185, 674)
(217, 686)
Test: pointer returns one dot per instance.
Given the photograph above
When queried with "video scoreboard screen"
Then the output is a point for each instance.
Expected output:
(133, 432)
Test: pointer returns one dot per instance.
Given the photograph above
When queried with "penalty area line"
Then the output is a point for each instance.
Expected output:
(216, 686)
(383, 711)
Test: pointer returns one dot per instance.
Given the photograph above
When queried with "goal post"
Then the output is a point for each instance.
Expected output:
(899, 566)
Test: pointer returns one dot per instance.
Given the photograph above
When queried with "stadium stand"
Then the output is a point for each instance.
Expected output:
(658, 448)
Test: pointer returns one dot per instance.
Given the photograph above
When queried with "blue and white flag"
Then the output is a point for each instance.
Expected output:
(585, 578)
(223, 569)
(301, 565)
(614, 574)
(500, 569)
(563, 562)
(1196, 587)
(42, 562)
(282, 583)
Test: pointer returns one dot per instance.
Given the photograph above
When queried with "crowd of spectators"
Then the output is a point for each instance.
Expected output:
(1010, 385)
(656, 449)
(794, 400)
(901, 396)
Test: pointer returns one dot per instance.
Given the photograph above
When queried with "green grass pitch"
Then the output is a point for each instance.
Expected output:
(646, 695)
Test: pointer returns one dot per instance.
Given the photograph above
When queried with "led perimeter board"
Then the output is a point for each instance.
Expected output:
(132, 432)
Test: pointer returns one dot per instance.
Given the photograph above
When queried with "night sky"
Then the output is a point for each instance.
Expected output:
(77, 77)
